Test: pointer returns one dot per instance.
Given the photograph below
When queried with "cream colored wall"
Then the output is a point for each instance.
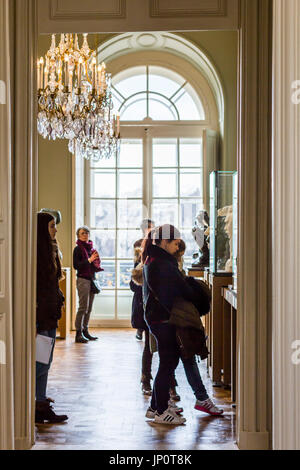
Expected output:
(55, 189)
(221, 48)
(55, 172)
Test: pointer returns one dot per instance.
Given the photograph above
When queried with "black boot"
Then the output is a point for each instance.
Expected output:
(80, 338)
(87, 335)
(146, 384)
(139, 334)
(44, 412)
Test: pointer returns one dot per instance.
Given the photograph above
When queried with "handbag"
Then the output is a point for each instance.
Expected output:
(191, 342)
(95, 287)
(202, 295)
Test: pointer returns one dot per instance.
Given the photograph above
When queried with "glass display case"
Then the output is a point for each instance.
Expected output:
(220, 234)
(235, 230)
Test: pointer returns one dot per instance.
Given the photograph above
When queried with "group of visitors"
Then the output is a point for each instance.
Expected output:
(162, 293)
(165, 302)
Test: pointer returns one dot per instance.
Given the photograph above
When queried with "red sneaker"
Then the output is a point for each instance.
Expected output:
(207, 406)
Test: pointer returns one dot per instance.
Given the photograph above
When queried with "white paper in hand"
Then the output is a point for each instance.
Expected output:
(44, 346)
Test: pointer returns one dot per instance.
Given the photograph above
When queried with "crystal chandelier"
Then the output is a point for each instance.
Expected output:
(75, 99)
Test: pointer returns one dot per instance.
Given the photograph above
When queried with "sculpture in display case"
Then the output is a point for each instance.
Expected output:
(200, 234)
(225, 219)
(235, 230)
(220, 232)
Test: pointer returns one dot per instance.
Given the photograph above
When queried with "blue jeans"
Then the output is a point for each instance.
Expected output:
(194, 378)
(42, 370)
(168, 351)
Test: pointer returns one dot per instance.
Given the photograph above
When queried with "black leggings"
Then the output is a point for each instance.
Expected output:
(168, 351)
(146, 359)
(147, 362)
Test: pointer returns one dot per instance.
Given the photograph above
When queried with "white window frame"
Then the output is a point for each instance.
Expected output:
(146, 130)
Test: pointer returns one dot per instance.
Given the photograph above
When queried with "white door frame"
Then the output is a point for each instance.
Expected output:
(254, 161)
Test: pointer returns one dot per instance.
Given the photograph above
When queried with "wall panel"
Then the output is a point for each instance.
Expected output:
(95, 16)
(87, 10)
(188, 8)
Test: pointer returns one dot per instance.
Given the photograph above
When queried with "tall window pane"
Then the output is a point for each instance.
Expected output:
(164, 152)
(165, 183)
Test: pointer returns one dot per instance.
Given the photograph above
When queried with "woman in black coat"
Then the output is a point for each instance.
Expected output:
(163, 282)
(50, 300)
(138, 322)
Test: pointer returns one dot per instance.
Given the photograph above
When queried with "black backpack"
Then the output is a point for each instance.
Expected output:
(202, 298)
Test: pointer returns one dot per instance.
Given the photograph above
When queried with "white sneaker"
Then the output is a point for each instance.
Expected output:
(207, 406)
(169, 417)
(150, 413)
(174, 407)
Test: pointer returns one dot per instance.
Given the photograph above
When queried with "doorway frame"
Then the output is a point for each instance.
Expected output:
(254, 412)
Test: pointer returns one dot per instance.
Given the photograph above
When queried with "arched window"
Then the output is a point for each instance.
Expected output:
(155, 92)
(169, 128)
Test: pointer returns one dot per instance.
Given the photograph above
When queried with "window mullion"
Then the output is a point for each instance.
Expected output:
(147, 101)
(116, 238)
(178, 180)
(87, 192)
(147, 172)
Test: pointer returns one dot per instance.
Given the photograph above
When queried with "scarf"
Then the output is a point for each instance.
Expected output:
(86, 248)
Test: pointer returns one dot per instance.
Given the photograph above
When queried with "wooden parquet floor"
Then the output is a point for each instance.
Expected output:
(98, 386)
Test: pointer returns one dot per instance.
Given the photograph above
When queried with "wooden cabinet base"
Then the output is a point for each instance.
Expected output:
(214, 326)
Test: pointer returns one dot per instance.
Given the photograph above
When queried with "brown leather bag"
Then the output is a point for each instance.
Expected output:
(191, 342)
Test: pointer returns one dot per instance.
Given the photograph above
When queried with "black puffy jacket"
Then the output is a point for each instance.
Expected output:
(162, 275)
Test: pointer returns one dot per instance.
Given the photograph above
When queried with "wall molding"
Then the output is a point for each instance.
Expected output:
(218, 9)
(57, 12)
(22, 443)
(6, 249)
(286, 225)
(3, 247)
(24, 144)
(119, 16)
(254, 440)
(254, 353)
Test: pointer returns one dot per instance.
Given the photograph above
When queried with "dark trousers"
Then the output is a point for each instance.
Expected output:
(42, 371)
(146, 360)
(86, 299)
(168, 351)
(194, 378)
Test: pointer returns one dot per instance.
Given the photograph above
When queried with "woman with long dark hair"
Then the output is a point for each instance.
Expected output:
(50, 300)
(203, 402)
(163, 282)
(138, 321)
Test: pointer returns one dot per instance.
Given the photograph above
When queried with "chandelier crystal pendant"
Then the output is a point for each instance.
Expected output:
(75, 99)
